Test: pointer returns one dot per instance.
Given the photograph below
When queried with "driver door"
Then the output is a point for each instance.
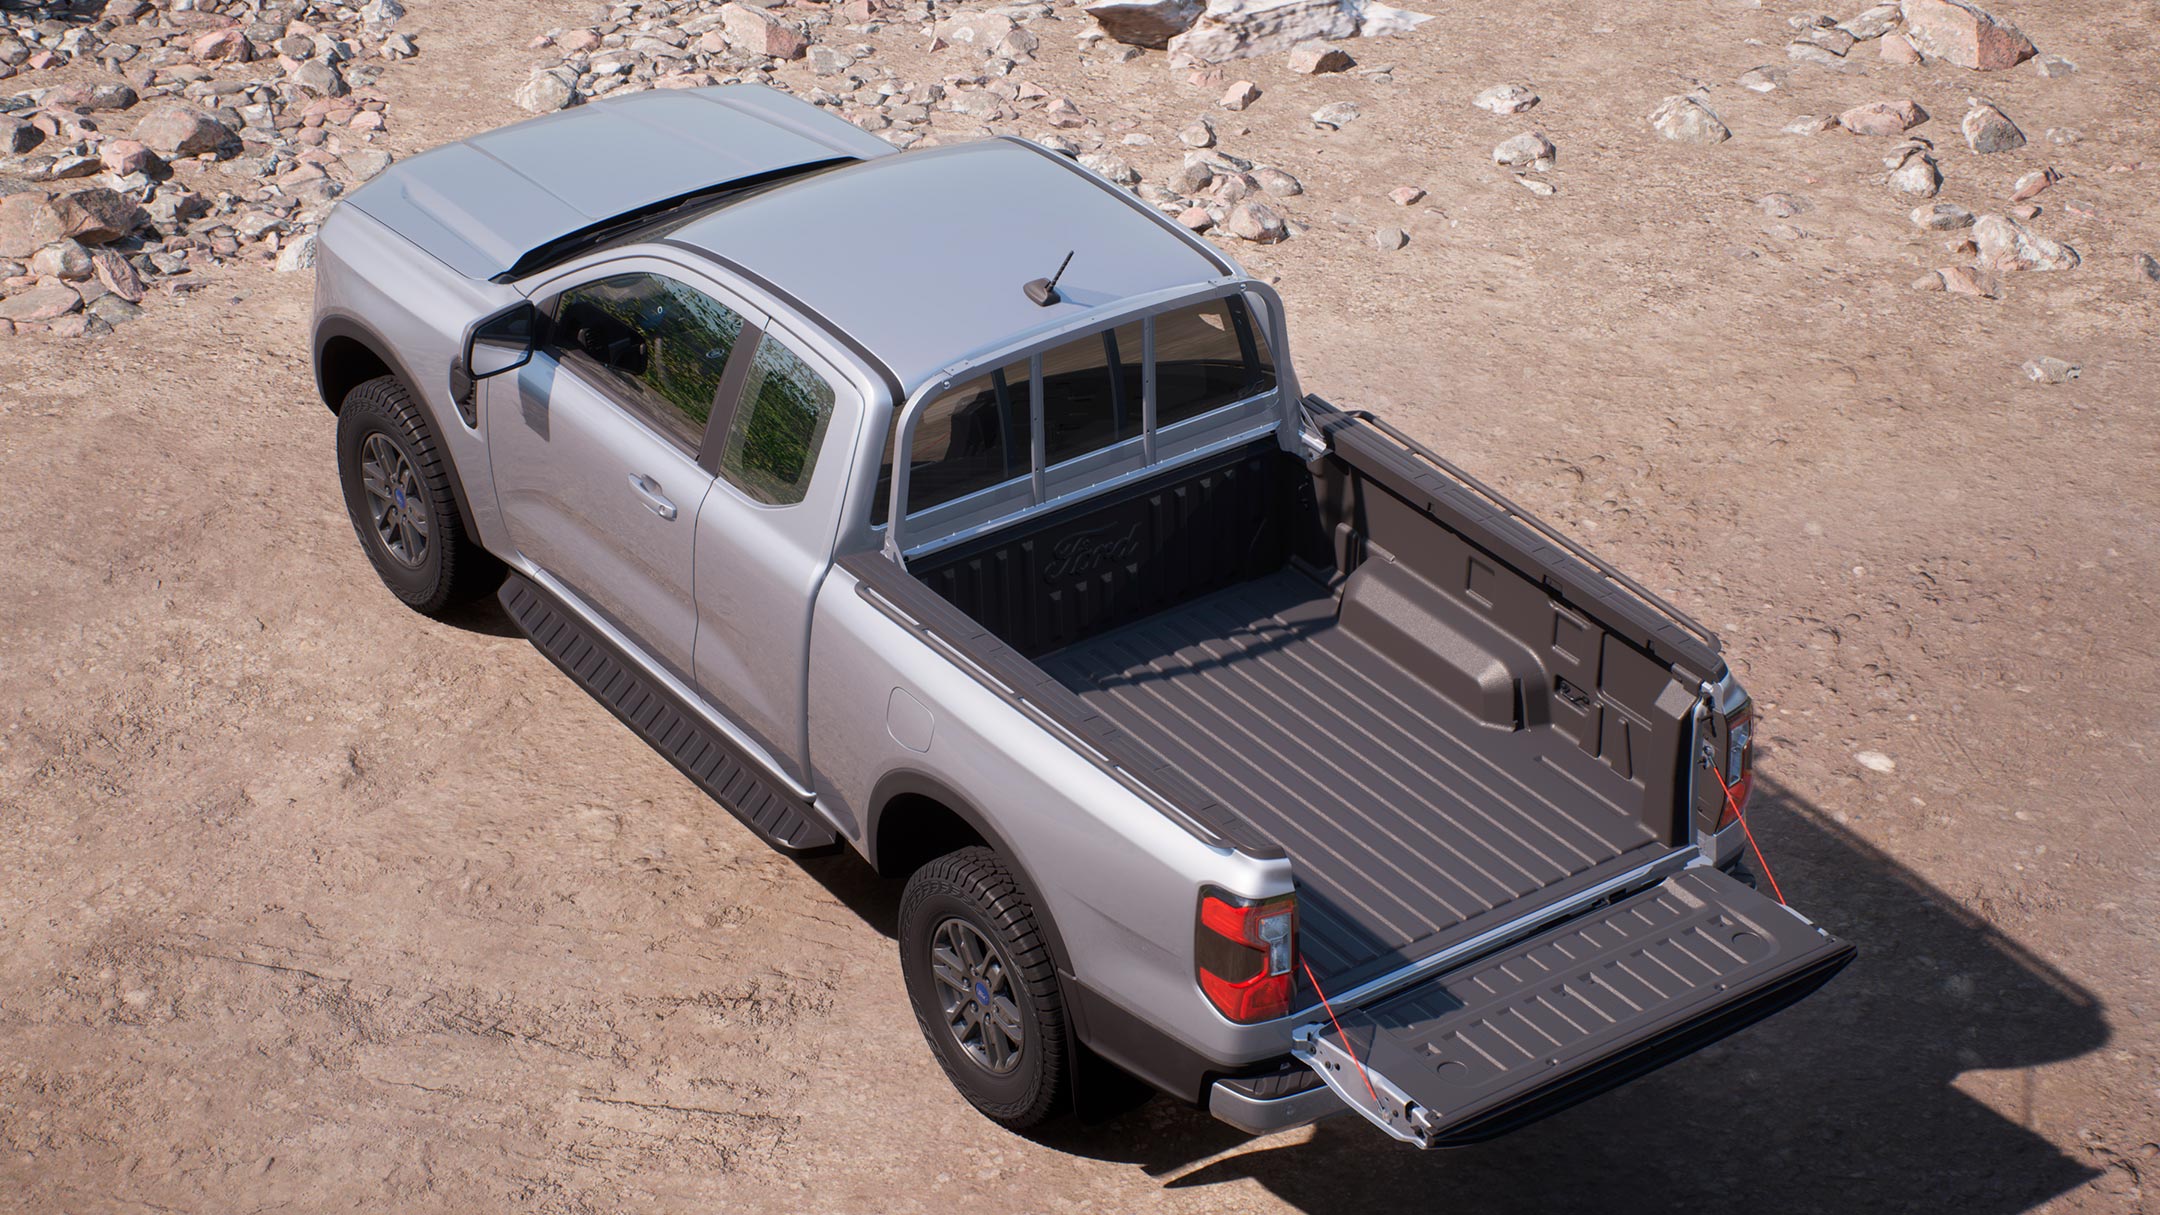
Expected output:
(595, 447)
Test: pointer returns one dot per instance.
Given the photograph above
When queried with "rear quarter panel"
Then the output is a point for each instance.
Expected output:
(412, 310)
(1119, 879)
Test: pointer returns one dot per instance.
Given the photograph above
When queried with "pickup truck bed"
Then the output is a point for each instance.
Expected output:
(1321, 653)
(1406, 817)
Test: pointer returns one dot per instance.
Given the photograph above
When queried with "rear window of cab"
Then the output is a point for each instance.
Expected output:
(1085, 398)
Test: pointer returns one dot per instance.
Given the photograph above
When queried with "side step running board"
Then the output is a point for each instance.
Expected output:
(664, 722)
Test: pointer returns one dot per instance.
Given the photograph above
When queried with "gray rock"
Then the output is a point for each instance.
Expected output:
(1543, 189)
(322, 78)
(1200, 133)
(1335, 115)
(1278, 183)
(1811, 124)
(1987, 129)
(366, 163)
(1830, 38)
(2046, 369)
(1528, 150)
(298, 254)
(17, 136)
(113, 310)
(1195, 176)
(1148, 23)
(1388, 240)
(1874, 22)
(1761, 80)
(1506, 98)
(1783, 206)
(547, 91)
(1689, 119)
(2006, 245)
(1941, 217)
(2054, 67)
(1112, 167)
(1915, 173)
(2145, 268)
(1258, 223)
(829, 60)
(64, 259)
(1808, 52)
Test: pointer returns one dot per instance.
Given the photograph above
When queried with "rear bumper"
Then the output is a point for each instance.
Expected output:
(1266, 1115)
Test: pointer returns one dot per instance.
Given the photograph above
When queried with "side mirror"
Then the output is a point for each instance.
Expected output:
(502, 342)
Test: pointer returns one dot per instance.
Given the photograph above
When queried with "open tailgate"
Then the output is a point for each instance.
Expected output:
(1572, 1011)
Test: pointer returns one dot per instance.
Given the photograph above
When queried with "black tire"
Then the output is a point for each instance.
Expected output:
(446, 567)
(972, 887)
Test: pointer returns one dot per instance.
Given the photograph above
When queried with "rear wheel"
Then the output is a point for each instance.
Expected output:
(984, 989)
(397, 491)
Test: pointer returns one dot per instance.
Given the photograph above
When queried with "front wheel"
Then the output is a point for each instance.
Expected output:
(397, 490)
(984, 988)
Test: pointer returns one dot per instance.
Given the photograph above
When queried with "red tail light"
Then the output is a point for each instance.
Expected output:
(1739, 771)
(1246, 953)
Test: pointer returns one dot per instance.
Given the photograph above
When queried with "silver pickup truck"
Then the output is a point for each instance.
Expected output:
(1220, 735)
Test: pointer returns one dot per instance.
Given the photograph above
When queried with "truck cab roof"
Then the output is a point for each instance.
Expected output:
(920, 259)
(923, 257)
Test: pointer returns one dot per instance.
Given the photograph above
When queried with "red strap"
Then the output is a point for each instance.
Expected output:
(1340, 1034)
(1744, 829)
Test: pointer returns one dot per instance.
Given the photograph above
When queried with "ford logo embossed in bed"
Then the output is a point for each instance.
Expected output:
(1085, 552)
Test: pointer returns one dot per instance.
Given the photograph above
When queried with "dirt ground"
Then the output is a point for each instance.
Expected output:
(309, 903)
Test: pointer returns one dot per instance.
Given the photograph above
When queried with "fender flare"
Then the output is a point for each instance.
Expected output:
(340, 325)
(904, 781)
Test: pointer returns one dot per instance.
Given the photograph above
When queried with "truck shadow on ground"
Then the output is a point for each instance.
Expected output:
(1847, 1102)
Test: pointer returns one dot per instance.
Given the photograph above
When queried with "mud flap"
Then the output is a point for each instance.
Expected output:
(1572, 1011)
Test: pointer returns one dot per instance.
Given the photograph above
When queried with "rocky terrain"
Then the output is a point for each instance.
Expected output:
(1834, 326)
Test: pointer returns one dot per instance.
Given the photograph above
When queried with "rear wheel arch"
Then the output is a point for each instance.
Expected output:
(916, 818)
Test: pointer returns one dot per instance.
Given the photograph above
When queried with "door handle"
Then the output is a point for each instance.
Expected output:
(649, 490)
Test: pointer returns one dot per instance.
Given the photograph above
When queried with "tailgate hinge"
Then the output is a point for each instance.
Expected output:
(1394, 1113)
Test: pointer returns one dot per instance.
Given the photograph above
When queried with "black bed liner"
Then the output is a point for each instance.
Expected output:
(1409, 821)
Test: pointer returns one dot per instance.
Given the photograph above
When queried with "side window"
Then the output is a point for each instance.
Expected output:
(773, 442)
(1208, 357)
(976, 436)
(660, 344)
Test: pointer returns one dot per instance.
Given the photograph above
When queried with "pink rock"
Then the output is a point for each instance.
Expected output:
(577, 42)
(1258, 223)
(40, 304)
(1240, 95)
(1403, 196)
(1896, 48)
(760, 33)
(1965, 34)
(229, 45)
(1883, 117)
(124, 156)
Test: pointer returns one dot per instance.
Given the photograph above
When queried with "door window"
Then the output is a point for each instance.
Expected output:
(658, 345)
(773, 441)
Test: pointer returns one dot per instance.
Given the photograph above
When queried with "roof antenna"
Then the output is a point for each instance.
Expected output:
(1044, 290)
